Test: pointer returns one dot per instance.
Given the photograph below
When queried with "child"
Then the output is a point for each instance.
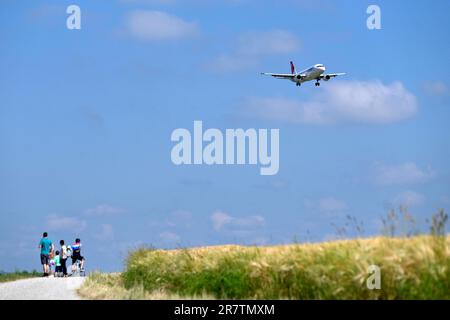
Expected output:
(57, 261)
(51, 266)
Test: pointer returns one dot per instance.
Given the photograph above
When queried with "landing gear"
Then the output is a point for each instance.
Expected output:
(317, 83)
(298, 84)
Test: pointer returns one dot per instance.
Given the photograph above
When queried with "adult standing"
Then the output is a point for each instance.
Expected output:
(63, 257)
(46, 247)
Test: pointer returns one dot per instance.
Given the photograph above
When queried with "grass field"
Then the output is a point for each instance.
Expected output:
(410, 268)
(17, 275)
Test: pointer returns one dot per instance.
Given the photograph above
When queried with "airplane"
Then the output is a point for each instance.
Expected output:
(315, 72)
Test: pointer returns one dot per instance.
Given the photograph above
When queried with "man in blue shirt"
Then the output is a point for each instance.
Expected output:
(46, 247)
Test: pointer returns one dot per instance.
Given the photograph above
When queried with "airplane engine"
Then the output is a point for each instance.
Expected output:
(326, 78)
(299, 78)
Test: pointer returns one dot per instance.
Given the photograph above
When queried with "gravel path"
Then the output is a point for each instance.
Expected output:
(41, 289)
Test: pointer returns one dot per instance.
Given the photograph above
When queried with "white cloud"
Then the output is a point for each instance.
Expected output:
(267, 43)
(106, 232)
(157, 25)
(170, 237)
(104, 210)
(179, 218)
(327, 205)
(228, 63)
(436, 88)
(332, 205)
(62, 223)
(251, 47)
(340, 101)
(220, 219)
(225, 222)
(402, 174)
(408, 199)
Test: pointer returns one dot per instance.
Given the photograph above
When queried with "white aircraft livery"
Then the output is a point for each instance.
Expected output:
(316, 72)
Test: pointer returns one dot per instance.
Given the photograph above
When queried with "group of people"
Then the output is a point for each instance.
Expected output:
(57, 258)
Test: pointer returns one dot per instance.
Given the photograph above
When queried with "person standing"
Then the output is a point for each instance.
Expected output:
(63, 255)
(46, 247)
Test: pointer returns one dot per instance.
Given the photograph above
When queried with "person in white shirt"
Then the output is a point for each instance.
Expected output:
(64, 257)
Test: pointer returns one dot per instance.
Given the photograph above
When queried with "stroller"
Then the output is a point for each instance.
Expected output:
(76, 268)
(77, 271)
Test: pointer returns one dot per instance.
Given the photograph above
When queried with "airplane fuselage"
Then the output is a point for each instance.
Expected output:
(312, 73)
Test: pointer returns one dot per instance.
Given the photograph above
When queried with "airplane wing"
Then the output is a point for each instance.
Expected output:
(280, 75)
(328, 76)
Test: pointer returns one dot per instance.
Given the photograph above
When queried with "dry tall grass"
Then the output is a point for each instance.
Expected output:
(411, 268)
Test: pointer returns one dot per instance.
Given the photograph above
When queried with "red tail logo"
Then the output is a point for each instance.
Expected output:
(292, 67)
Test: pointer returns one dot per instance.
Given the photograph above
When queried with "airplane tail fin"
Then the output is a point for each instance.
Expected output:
(292, 67)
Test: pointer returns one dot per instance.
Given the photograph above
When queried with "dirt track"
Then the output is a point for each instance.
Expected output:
(41, 289)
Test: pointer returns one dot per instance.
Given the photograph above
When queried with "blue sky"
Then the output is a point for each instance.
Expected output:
(86, 117)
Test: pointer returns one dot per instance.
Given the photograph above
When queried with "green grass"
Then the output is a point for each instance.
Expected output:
(411, 268)
(17, 275)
